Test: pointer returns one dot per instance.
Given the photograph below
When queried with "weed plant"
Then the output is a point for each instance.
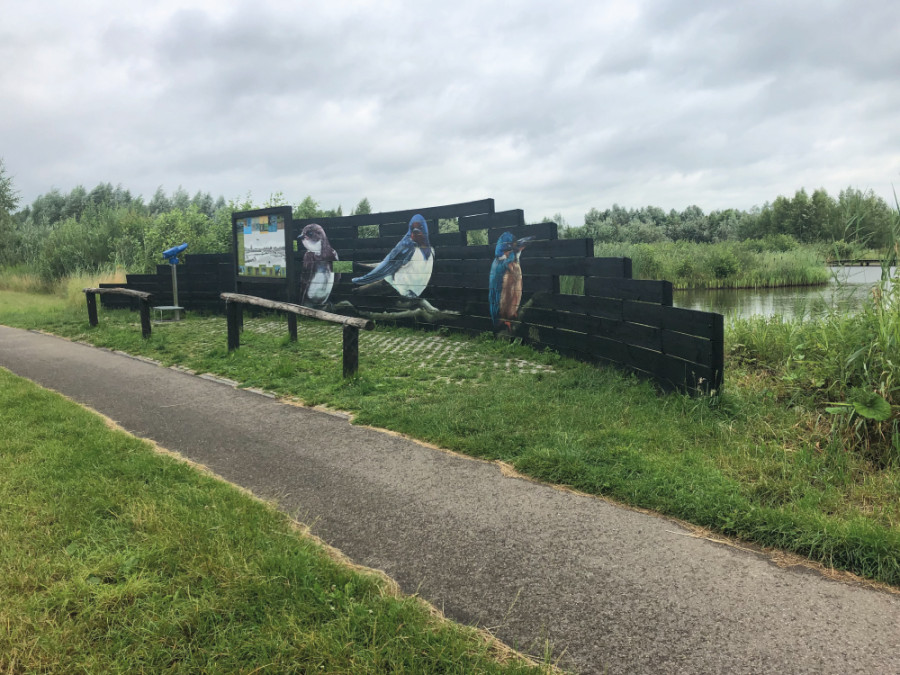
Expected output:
(845, 367)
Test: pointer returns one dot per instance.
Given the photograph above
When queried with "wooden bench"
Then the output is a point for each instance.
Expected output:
(234, 312)
(91, 296)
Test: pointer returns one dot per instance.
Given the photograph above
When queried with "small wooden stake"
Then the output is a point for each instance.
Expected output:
(145, 317)
(234, 332)
(292, 326)
(351, 350)
(92, 307)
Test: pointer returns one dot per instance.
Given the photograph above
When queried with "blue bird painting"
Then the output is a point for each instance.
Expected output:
(317, 276)
(506, 279)
(408, 266)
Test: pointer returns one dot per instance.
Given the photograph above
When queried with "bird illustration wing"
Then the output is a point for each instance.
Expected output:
(401, 254)
(498, 270)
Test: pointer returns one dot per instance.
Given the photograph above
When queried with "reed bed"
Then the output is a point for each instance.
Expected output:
(722, 265)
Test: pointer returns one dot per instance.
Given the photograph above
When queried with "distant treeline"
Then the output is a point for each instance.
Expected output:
(856, 217)
(59, 234)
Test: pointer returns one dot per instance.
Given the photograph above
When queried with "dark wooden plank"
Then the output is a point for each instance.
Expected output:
(659, 292)
(561, 248)
(512, 218)
(619, 268)
(688, 347)
(465, 252)
(707, 325)
(540, 231)
(609, 308)
(446, 211)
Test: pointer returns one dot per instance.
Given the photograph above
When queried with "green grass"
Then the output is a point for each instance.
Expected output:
(748, 264)
(114, 558)
(745, 463)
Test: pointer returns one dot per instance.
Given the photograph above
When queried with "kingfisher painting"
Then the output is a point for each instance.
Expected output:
(317, 276)
(408, 266)
(506, 280)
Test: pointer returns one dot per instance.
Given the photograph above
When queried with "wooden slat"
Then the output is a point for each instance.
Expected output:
(512, 218)
(446, 211)
(659, 292)
(708, 325)
(540, 231)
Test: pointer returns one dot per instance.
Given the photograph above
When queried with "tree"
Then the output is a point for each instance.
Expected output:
(159, 203)
(9, 200)
(363, 208)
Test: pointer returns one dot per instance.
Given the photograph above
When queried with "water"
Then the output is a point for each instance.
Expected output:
(851, 286)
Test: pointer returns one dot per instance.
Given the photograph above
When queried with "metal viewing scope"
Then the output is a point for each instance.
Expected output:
(171, 253)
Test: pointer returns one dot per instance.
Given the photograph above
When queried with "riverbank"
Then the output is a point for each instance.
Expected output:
(757, 462)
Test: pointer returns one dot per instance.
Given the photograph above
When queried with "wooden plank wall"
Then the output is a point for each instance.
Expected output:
(618, 320)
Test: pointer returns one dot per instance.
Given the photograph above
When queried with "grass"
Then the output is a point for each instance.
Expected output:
(114, 558)
(748, 264)
(745, 463)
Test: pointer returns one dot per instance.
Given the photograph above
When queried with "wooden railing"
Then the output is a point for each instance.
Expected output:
(234, 312)
(91, 296)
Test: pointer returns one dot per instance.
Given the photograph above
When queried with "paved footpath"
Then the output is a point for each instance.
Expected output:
(618, 591)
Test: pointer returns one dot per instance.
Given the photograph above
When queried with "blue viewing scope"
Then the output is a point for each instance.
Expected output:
(169, 254)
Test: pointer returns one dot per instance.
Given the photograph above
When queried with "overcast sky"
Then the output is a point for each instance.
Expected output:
(546, 106)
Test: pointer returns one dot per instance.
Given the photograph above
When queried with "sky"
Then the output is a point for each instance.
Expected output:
(554, 108)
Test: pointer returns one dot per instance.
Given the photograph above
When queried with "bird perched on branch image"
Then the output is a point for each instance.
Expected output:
(505, 292)
(317, 276)
(408, 266)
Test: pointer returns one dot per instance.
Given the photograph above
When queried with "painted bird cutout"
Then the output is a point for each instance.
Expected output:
(506, 280)
(317, 276)
(408, 266)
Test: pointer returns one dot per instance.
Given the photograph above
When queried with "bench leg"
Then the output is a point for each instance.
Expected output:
(232, 310)
(351, 350)
(145, 318)
(92, 308)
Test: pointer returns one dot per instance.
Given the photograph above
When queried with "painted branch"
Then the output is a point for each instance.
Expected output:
(364, 324)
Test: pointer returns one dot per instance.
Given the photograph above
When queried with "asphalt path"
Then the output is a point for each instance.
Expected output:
(613, 590)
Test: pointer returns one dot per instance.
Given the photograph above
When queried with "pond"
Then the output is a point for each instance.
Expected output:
(850, 286)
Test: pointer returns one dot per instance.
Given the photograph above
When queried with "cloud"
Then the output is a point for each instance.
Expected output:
(547, 108)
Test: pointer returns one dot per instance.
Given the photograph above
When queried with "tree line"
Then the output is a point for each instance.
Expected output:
(63, 233)
(854, 216)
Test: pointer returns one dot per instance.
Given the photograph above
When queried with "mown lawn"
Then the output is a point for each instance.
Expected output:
(743, 463)
(115, 558)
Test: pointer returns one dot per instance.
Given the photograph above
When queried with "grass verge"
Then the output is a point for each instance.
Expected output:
(114, 558)
(745, 463)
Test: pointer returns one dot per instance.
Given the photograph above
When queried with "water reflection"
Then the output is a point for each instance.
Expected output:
(851, 286)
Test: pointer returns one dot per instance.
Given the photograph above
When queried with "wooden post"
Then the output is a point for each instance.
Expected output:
(92, 307)
(292, 326)
(234, 334)
(145, 317)
(351, 350)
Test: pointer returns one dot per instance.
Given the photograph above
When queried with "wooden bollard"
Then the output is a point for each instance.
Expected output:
(92, 307)
(145, 318)
(292, 326)
(234, 331)
(351, 350)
